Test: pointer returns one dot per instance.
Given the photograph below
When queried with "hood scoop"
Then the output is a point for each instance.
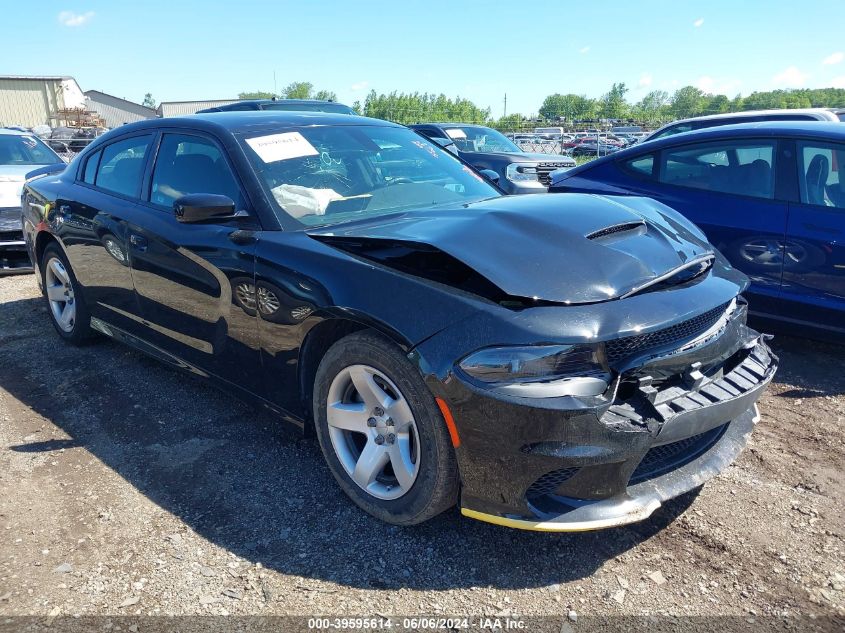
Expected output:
(626, 227)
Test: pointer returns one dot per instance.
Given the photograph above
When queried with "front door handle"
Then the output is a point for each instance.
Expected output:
(138, 242)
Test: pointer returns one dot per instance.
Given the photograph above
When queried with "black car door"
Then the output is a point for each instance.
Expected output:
(195, 281)
(92, 223)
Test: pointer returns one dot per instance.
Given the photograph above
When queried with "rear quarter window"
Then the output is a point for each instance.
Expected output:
(640, 166)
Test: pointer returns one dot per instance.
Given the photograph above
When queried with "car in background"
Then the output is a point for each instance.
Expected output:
(519, 356)
(487, 149)
(770, 196)
(749, 116)
(592, 147)
(20, 154)
(285, 105)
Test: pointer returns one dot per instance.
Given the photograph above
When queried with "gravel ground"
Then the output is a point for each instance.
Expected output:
(127, 488)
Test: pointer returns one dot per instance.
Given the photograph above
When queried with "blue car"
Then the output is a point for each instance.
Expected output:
(770, 196)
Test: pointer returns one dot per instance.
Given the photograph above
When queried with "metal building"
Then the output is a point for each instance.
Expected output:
(29, 100)
(181, 108)
(114, 111)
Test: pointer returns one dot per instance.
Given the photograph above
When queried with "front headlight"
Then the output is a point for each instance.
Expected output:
(542, 371)
(520, 172)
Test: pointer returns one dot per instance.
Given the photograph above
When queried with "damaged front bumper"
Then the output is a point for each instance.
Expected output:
(14, 257)
(669, 423)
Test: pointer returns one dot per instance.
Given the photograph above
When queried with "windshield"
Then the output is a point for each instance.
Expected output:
(474, 138)
(25, 150)
(328, 106)
(328, 174)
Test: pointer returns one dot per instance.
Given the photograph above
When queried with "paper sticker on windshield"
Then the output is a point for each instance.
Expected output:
(275, 147)
(29, 141)
(456, 133)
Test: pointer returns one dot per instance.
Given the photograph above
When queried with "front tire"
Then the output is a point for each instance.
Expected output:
(381, 432)
(65, 303)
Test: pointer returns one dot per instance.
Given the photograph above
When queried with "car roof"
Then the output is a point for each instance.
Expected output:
(289, 101)
(10, 132)
(440, 124)
(252, 120)
(825, 130)
(753, 113)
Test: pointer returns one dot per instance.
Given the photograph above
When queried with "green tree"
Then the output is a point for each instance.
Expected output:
(298, 90)
(569, 107)
(613, 105)
(325, 95)
(686, 102)
(149, 101)
(418, 107)
(258, 94)
(652, 108)
(715, 104)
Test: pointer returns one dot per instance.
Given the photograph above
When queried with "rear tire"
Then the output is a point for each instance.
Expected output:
(381, 432)
(65, 303)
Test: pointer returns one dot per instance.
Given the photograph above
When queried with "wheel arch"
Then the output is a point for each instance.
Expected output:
(42, 240)
(318, 341)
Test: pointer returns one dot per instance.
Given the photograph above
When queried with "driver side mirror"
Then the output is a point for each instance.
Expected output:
(490, 175)
(203, 207)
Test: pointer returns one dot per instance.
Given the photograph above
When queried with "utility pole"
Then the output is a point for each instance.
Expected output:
(505, 112)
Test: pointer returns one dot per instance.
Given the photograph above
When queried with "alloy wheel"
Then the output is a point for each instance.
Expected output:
(60, 294)
(373, 432)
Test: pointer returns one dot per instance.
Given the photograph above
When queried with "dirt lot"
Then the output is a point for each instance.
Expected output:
(128, 488)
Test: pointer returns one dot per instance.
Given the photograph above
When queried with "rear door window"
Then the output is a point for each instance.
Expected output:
(741, 167)
(820, 180)
(122, 165)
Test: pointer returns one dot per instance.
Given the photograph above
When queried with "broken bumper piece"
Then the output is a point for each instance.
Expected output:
(615, 465)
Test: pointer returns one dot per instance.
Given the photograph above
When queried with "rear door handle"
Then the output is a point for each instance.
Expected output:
(138, 242)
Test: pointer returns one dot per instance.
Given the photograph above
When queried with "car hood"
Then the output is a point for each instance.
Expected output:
(518, 157)
(12, 178)
(546, 158)
(572, 248)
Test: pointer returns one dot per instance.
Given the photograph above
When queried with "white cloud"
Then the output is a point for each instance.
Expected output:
(790, 78)
(645, 80)
(838, 82)
(69, 18)
(835, 58)
(584, 50)
(718, 86)
(698, 22)
(361, 85)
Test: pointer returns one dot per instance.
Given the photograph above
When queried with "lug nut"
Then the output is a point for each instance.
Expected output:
(390, 422)
(371, 422)
(378, 411)
(391, 437)
(379, 439)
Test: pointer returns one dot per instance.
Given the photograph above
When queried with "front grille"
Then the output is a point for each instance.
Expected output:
(544, 169)
(662, 459)
(11, 236)
(549, 482)
(621, 348)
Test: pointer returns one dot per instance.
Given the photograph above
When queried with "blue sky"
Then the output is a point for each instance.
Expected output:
(186, 49)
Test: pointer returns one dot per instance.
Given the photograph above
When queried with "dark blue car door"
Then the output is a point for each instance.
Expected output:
(814, 266)
(730, 190)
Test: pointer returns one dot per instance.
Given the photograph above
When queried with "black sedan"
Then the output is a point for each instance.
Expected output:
(547, 362)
